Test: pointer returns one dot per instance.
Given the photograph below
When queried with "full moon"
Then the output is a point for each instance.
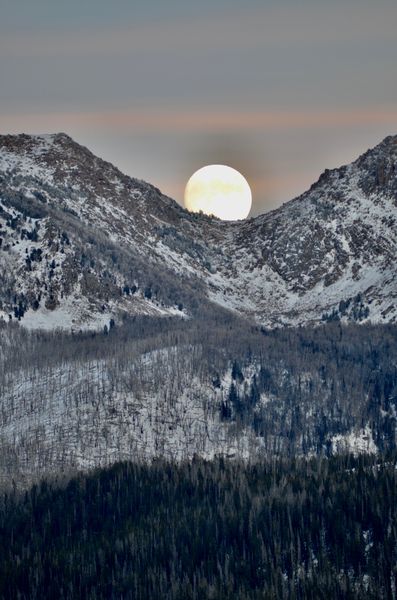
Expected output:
(219, 190)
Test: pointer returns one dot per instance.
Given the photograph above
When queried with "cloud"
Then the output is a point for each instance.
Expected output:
(198, 121)
(271, 26)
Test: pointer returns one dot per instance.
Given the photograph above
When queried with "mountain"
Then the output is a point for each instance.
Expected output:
(82, 245)
(165, 332)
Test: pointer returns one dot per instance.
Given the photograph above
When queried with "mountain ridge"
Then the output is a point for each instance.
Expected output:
(327, 254)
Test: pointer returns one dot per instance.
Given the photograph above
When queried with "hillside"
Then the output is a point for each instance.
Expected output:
(156, 388)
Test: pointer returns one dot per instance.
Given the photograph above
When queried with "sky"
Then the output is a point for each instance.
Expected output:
(278, 89)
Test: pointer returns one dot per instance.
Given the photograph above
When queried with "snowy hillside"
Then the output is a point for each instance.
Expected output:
(81, 244)
(73, 402)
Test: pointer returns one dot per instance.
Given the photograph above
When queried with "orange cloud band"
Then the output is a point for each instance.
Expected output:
(197, 121)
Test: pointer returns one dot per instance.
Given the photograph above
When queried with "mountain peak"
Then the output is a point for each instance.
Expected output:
(26, 138)
(377, 168)
(390, 140)
(36, 147)
(387, 147)
(330, 251)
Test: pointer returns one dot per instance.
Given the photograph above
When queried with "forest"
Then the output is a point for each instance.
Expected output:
(319, 528)
(108, 490)
(176, 387)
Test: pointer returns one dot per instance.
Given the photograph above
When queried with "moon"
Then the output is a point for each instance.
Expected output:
(219, 190)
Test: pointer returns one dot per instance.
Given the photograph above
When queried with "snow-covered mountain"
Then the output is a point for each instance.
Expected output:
(81, 244)
(194, 360)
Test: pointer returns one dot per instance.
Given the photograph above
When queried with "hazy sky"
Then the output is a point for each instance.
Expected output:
(280, 90)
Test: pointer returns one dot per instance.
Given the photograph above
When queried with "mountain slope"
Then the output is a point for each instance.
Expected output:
(160, 388)
(82, 244)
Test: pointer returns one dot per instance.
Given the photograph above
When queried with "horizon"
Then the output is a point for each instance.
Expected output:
(277, 91)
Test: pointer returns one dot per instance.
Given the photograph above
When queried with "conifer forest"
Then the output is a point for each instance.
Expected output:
(316, 528)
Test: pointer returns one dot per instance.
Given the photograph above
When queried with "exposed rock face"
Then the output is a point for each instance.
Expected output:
(379, 169)
(81, 243)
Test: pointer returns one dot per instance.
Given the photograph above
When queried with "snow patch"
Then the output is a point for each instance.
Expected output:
(356, 441)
